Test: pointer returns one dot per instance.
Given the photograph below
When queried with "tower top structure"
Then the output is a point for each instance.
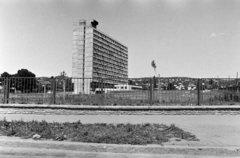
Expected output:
(89, 23)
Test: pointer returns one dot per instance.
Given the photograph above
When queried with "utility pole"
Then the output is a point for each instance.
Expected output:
(159, 88)
(63, 74)
(237, 82)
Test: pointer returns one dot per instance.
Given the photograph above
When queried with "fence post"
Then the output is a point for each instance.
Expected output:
(199, 91)
(6, 90)
(64, 90)
(102, 97)
(237, 87)
(54, 90)
(151, 95)
(159, 88)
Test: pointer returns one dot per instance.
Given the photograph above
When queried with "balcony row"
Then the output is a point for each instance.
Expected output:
(104, 37)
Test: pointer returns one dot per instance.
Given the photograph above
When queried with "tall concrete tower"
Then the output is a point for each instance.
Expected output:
(96, 55)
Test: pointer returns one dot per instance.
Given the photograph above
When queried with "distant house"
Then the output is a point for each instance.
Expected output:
(1, 89)
(12, 90)
(180, 86)
(163, 86)
(192, 86)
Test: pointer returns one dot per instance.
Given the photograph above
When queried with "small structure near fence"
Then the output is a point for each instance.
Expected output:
(117, 88)
(138, 91)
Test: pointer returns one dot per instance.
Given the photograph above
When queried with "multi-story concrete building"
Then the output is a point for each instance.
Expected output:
(96, 55)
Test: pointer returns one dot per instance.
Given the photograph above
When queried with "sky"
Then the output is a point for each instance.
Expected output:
(188, 38)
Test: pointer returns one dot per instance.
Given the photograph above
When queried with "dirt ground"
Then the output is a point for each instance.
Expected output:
(211, 130)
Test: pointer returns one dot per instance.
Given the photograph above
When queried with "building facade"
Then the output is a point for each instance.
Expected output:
(95, 56)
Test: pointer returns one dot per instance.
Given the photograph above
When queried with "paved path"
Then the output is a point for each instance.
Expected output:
(16, 147)
(40, 153)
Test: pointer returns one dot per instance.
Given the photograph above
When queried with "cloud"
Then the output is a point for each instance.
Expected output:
(142, 2)
(213, 35)
(222, 34)
(177, 3)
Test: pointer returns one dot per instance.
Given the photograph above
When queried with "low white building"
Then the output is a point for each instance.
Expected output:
(180, 87)
(118, 88)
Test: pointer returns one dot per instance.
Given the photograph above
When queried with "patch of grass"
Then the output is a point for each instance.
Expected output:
(141, 134)
(168, 97)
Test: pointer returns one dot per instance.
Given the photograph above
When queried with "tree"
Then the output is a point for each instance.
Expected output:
(24, 81)
(170, 86)
(211, 81)
(154, 66)
(64, 83)
(131, 82)
(69, 85)
(5, 74)
(154, 82)
(25, 73)
(63, 74)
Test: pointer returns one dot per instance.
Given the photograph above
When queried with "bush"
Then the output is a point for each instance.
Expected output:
(96, 133)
